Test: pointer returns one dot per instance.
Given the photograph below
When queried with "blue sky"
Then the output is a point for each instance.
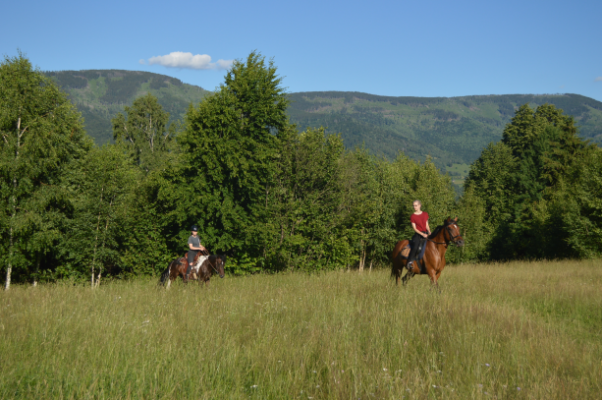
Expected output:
(395, 48)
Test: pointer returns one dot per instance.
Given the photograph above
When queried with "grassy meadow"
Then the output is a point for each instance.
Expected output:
(505, 331)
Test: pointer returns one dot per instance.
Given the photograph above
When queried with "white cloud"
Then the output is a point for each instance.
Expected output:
(142, 61)
(598, 79)
(179, 59)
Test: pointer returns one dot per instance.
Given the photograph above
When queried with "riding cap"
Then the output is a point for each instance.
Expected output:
(194, 228)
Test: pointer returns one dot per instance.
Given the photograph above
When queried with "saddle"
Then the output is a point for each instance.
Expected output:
(200, 257)
(405, 253)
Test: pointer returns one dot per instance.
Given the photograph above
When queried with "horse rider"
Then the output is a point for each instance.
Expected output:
(194, 244)
(420, 224)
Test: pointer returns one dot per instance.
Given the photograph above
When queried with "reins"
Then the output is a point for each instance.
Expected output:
(452, 237)
(210, 263)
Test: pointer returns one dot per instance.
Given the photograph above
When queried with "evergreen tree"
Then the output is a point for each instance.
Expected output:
(230, 145)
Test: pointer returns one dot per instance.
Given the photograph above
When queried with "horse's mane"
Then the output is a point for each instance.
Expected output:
(438, 229)
(436, 232)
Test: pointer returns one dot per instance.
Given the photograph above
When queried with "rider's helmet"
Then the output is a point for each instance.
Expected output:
(194, 228)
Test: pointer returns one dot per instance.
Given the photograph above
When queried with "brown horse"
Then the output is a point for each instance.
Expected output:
(203, 267)
(434, 255)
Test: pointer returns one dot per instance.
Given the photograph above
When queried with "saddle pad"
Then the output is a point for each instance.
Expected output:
(405, 252)
(195, 268)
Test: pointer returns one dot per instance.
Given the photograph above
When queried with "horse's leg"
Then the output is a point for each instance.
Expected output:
(433, 276)
(407, 277)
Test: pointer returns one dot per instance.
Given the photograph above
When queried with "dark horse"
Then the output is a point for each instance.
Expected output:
(434, 255)
(203, 267)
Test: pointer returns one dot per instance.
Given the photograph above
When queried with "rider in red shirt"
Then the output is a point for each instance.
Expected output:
(420, 224)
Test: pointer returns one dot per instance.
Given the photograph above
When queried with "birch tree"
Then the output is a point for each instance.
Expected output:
(144, 131)
(101, 184)
(40, 133)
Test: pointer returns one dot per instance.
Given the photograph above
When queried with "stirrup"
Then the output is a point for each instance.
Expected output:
(410, 265)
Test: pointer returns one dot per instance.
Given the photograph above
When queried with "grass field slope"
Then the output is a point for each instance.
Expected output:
(452, 130)
(497, 331)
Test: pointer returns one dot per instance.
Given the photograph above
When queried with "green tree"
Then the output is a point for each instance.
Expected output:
(582, 206)
(230, 145)
(102, 184)
(41, 132)
(305, 205)
(491, 178)
(144, 131)
(522, 182)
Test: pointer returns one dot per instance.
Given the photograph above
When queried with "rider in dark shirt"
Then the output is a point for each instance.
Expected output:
(194, 244)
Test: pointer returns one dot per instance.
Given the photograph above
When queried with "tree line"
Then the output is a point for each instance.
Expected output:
(270, 197)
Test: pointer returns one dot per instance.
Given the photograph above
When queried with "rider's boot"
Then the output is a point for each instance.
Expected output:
(410, 265)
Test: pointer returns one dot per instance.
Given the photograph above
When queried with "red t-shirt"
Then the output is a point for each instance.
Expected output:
(420, 221)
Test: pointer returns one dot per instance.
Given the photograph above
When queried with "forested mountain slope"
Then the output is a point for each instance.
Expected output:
(452, 130)
(101, 94)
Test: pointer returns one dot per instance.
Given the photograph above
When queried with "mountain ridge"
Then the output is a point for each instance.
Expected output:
(452, 130)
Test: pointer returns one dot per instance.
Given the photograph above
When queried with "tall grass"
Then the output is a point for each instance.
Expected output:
(509, 331)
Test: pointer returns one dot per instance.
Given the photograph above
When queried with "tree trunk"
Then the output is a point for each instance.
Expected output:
(362, 254)
(11, 250)
(104, 239)
(96, 238)
(35, 275)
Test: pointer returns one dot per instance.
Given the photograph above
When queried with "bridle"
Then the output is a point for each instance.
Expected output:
(212, 266)
(451, 235)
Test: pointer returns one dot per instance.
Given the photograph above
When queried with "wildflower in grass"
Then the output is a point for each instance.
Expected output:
(254, 387)
(487, 365)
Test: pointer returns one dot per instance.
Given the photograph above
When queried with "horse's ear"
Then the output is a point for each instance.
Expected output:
(456, 220)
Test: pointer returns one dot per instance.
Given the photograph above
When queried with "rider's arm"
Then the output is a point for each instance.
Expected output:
(192, 247)
(416, 230)
(428, 228)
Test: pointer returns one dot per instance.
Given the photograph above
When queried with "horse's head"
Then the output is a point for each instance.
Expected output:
(220, 263)
(453, 232)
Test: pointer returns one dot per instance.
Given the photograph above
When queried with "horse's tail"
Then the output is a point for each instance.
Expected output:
(165, 274)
